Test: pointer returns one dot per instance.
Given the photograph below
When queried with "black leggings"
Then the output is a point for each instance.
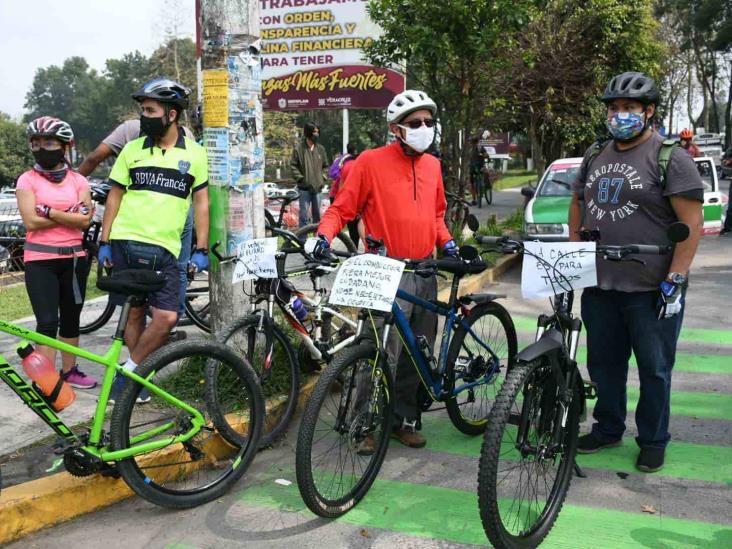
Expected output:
(49, 283)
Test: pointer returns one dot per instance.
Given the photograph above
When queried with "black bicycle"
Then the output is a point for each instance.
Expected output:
(530, 442)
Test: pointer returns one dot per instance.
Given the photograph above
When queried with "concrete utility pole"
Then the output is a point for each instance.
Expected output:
(228, 34)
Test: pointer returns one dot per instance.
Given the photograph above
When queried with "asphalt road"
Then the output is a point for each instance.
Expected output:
(427, 498)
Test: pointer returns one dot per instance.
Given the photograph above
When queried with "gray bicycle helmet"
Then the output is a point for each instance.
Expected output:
(164, 90)
(632, 85)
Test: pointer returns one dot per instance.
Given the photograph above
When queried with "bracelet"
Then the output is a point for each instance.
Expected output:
(202, 250)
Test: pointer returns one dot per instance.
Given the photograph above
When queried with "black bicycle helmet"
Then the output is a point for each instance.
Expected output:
(164, 90)
(632, 85)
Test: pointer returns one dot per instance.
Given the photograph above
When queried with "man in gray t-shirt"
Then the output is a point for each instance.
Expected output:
(635, 308)
(624, 200)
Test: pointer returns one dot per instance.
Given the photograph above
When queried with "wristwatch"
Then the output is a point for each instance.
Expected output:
(678, 279)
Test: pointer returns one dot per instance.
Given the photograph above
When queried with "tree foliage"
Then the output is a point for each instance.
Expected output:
(15, 156)
(447, 48)
(95, 103)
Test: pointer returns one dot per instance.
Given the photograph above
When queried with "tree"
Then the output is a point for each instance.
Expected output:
(74, 93)
(15, 155)
(446, 48)
(560, 65)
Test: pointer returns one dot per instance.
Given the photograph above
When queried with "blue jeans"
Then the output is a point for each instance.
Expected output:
(618, 322)
(309, 199)
(186, 241)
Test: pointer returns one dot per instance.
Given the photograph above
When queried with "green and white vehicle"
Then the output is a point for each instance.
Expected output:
(547, 212)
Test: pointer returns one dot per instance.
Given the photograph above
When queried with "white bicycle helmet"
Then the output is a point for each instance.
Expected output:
(48, 126)
(407, 102)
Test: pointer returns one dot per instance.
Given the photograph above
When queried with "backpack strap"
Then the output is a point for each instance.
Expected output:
(664, 155)
(595, 150)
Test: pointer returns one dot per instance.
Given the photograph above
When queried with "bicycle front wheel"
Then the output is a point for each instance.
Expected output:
(344, 432)
(474, 375)
(524, 476)
(204, 467)
(270, 353)
(488, 193)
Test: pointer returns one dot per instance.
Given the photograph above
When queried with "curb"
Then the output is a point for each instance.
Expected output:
(48, 501)
(32, 506)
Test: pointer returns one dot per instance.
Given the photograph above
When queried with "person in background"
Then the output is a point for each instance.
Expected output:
(55, 204)
(686, 141)
(308, 166)
(338, 172)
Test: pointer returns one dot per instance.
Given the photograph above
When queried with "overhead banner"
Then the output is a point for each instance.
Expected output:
(312, 57)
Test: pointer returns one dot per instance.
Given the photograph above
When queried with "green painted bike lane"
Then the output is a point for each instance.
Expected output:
(703, 336)
(452, 515)
(683, 460)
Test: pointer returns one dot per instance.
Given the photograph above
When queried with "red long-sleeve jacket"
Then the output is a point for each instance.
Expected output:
(400, 198)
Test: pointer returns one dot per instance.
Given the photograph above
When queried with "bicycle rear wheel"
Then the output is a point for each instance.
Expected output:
(198, 301)
(344, 432)
(278, 372)
(456, 216)
(469, 362)
(488, 193)
(204, 467)
(523, 479)
(97, 310)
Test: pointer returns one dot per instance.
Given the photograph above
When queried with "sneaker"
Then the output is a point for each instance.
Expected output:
(650, 460)
(409, 437)
(78, 379)
(119, 384)
(588, 444)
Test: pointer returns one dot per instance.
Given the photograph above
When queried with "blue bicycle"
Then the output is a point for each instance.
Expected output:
(347, 422)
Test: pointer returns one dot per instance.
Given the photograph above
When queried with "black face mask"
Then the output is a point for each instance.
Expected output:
(153, 127)
(48, 159)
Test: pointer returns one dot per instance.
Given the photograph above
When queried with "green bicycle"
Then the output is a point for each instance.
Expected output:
(168, 451)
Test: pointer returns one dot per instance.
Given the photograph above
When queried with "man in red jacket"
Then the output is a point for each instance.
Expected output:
(398, 192)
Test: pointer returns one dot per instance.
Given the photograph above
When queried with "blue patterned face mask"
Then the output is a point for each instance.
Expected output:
(625, 126)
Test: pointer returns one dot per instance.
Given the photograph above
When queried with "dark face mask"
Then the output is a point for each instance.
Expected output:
(48, 159)
(153, 127)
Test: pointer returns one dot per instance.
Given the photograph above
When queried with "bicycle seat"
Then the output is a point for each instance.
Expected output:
(132, 282)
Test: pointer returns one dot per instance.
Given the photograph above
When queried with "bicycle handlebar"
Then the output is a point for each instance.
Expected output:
(610, 252)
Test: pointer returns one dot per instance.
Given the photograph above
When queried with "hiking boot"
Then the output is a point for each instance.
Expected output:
(367, 447)
(407, 434)
(78, 379)
(588, 444)
(650, 460)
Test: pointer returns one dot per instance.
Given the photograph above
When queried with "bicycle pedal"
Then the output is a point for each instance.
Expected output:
(514, 418)
(590, 390)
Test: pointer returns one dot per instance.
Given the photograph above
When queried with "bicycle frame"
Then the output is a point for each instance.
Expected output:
(94, 444)
(434, 381)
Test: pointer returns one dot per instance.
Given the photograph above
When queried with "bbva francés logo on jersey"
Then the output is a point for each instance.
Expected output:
(184, 166)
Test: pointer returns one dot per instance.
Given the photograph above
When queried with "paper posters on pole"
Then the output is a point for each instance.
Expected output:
(570, 263)
(367, 282)
(215, 98)
(256, 259)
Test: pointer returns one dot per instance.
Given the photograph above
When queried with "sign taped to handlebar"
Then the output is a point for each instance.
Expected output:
(367, 281)
(255, 259)
(569, 265)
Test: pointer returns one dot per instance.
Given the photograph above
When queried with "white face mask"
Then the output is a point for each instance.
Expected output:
(419, 139)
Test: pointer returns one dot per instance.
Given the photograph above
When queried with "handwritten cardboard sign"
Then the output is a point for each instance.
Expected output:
(367, 282)
(570, 263)
(256, 259)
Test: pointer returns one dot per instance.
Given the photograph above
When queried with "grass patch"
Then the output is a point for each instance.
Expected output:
(515, 178)
(14, 302)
